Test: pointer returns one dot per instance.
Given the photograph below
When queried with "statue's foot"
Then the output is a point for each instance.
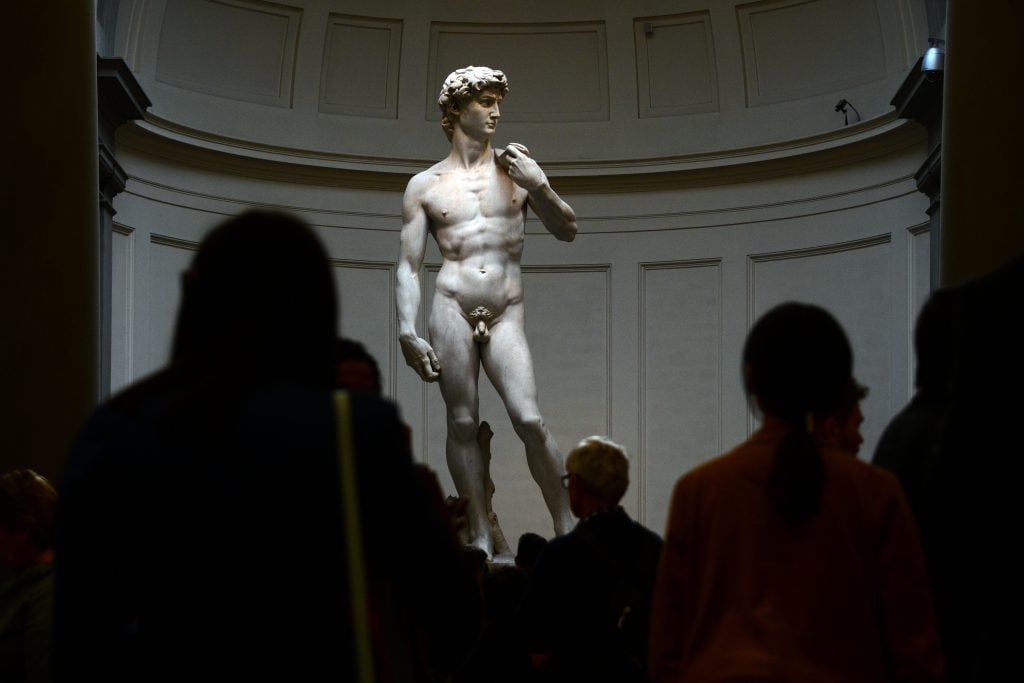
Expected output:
(484, 543)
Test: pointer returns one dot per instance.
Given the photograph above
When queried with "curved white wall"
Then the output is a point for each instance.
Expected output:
(693, 218)
(593, 84)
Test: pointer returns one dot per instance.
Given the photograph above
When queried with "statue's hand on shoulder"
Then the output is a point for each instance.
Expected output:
(420, 357)
(524, 171)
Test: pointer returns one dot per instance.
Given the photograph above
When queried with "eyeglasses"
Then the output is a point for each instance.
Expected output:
(565, 479)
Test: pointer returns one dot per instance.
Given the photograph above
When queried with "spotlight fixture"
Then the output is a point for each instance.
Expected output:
(841, 105)
(934, 61)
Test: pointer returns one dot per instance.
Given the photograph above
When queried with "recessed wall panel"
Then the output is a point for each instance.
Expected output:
(169, 257)
(565, 78)
(238, 49)
(680, 385)
(367, 311)
(360, 68)
(852, 281)
(798, 48)
(675, 64)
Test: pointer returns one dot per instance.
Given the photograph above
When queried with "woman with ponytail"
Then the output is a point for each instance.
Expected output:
(787, 559)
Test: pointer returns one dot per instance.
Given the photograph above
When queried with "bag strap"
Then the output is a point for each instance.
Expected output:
(354, 539)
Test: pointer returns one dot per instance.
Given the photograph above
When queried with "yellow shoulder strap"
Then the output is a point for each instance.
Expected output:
(349, 490)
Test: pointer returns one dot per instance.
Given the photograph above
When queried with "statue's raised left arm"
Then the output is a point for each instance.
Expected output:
(557, 216)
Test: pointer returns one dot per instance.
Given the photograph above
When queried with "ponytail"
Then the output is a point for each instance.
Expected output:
(797, 363)
(797, 476)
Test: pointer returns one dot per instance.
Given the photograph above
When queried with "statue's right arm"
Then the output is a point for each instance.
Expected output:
(418, 353)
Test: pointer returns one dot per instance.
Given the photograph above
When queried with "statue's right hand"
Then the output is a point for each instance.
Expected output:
(420, 357)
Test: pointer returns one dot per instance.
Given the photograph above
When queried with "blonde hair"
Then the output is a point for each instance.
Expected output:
(603, 466)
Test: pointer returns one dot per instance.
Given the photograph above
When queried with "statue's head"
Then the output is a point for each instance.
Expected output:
(464, 84)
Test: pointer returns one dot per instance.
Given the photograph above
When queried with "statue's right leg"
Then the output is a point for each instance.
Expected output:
(452, 340)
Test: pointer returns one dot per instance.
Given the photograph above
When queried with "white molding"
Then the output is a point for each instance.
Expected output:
(534, 225)
(803, 252)
(234, 206)
(840, 147)
(174, 242)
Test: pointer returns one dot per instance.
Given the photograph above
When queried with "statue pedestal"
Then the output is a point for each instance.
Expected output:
(503, 560)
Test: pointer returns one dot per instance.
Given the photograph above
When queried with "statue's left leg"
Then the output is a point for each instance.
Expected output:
(506, 360)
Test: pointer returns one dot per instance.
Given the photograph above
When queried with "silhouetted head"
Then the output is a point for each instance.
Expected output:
(258, 304)
(354, 367)
(464, 84)
(840, 428)
(528, 550)
(597, 475)
(28, 503)
(798, 367)
(797, 360)
(935, 336)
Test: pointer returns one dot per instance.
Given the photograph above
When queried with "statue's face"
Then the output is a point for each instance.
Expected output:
(478, 117)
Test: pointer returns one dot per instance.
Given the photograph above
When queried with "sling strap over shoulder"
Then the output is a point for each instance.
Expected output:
(358, 589)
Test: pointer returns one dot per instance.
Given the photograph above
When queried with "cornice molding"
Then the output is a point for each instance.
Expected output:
(121, 98)
(919, 96)
(852, 144)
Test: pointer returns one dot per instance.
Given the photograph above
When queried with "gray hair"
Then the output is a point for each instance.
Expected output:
(463, 84)
(603, 466)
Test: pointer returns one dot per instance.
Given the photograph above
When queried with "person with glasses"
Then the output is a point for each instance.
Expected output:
(585, 614)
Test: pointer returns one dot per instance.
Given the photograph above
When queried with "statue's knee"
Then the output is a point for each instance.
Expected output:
(530, 428)
(463, 427)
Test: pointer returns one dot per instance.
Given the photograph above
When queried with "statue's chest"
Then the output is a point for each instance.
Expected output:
(466, 197)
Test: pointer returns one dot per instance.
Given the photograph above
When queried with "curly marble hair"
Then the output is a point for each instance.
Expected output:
(463, 84)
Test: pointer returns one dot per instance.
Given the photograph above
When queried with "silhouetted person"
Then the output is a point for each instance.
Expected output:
(956, 448)
(498, 656)
(355, 368)
(910, 444)
(27, 506)
(586, 611)
(202, 532)
(528, 549)
(789, 560)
